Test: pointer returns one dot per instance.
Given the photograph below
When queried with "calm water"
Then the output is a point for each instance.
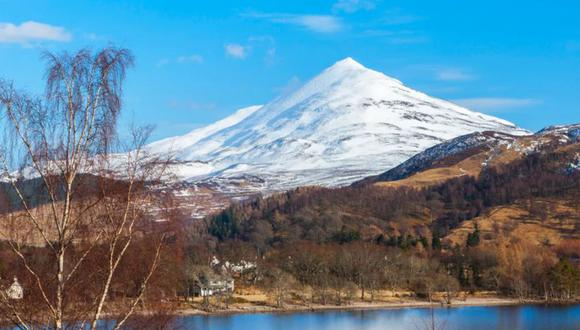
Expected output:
(464, 318)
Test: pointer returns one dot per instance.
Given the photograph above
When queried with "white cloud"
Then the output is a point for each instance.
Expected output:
(31, 31)
(453, 74)
(316, 23)
(495, 103)
(190, 59)
(197, 59)
(351, 6)
(236, 51)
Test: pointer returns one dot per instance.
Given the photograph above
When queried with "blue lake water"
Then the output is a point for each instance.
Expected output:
(464, 318)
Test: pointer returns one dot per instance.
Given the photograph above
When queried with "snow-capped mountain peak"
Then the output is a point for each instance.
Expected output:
(346, 67)
(348, 62)
(347, 123)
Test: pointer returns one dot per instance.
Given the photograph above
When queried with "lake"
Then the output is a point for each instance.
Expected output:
(464, 318)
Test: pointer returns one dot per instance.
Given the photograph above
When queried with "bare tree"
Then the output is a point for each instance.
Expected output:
(81, 195)
(279, 284)
(367, 263)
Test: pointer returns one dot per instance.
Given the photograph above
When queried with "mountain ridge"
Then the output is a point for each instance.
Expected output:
(490, 148)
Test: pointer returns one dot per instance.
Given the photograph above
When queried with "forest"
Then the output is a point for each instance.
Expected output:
(365, 238)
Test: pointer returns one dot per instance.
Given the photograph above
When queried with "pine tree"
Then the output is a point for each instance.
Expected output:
(436, 241)
(473, 238)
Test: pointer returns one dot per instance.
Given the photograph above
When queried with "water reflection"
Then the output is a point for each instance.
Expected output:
(468, 318)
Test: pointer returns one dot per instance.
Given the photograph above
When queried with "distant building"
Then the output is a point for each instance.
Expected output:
(235, 269)
(15, 291)
(212, 284)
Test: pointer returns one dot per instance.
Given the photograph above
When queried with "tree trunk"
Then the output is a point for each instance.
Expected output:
(59, 291)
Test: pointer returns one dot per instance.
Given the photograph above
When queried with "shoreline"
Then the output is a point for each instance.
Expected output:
(356, 306)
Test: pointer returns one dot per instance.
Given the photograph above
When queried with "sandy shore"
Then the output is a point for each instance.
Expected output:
(289, 308)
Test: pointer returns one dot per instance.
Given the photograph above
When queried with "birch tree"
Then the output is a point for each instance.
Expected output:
(79, 197)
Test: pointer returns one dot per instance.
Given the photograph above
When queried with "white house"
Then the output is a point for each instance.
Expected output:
(206, 287)
(15, 291)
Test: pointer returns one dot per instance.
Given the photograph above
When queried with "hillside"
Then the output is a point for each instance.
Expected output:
(470, 154)
(521, 186)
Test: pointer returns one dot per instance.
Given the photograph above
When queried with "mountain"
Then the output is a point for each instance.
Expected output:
(347, 123)
(470, 154)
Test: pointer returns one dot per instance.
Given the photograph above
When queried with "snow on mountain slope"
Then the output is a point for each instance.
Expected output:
(177, 147)
(175, 144)
(345, 124)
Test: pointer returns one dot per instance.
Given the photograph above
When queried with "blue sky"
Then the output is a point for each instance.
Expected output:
(198, 61)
